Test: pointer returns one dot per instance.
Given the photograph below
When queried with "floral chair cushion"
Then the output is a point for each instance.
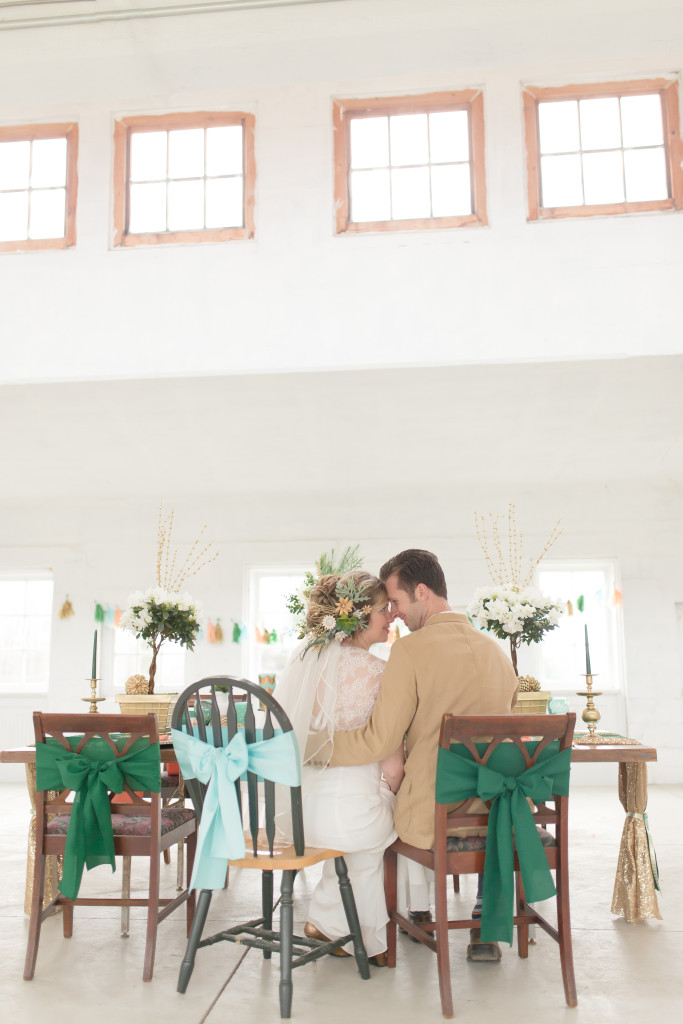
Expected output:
(470, 844)
(129, 824)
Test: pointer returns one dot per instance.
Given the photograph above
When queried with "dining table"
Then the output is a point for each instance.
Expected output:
(636, 882)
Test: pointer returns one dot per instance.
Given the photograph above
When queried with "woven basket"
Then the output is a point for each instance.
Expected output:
(532, 702)
(161, 704)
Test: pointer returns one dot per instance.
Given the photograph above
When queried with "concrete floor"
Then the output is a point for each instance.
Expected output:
(623, 972)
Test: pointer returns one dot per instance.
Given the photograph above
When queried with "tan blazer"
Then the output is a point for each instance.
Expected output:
(447, 666)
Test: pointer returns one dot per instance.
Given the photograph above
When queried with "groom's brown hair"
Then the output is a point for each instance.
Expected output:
(415, 566)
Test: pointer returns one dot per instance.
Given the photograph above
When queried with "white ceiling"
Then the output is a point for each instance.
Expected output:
(560, 423)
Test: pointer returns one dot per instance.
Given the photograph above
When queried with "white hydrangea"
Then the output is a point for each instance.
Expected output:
(508, 612)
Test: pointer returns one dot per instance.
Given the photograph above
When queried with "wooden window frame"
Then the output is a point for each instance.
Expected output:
(171, 122)
(667, 88)
(343, 112)
(30, 133)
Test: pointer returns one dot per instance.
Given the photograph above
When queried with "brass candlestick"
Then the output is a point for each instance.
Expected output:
(93, 698)
(590, 714)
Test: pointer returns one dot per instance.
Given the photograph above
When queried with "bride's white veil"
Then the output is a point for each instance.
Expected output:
(307, 694)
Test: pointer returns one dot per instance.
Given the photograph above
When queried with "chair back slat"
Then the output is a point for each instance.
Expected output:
(274, 718)
(252, 781)
(269, 790)
(231, 719)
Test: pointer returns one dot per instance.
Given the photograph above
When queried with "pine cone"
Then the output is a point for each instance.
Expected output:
(527, 684)
(137, 684)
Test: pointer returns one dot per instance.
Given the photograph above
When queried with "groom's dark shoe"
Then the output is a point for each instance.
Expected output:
(417, 917)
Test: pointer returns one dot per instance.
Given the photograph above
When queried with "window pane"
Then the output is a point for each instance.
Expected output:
(38, 596)
(15, 160)
(224, 203)
(409, 142)
(147, 208)
(48, 213)
(12, 597)
(13, 216)
(186, 153)
(11, 669)
(603, 177)
(645, 171)
(410, 193)
(449, 139)
(48, 164)
(12, 629)
(561, 180)
(600, 127)
(370, 195)
(148, 156)
(641, 120)
(558, 125)
(37, 669)
(369, 143)
(38, 633)
(185, 205)
(451, 191)
(224, 150)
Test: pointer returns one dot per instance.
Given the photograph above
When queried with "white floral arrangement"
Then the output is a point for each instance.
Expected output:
(513, 614)
(156, 615)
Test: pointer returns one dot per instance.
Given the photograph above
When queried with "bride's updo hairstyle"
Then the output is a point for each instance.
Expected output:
(324, 600)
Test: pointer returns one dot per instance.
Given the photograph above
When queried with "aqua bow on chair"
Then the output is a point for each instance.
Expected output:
(459, 778)
(90, 839)
(221, 836)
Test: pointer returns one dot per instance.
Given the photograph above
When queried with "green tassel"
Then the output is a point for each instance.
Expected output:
(579, 603)
(99, 613)
(236, 633)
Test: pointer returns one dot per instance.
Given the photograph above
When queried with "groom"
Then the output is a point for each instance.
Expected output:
(444, 666)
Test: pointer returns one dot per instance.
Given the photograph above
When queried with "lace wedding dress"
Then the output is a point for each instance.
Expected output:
(349, 809)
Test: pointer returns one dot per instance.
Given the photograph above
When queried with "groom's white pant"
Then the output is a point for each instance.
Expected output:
(414, 886)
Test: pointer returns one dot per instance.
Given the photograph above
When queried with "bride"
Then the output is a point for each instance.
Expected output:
(331, 683)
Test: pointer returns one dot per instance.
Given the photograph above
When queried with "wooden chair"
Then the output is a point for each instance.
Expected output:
(508, 745)
(255, 799)
(140, 827)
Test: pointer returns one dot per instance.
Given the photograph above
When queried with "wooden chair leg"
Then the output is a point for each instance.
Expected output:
(36, 916)
(152, 918)
(180, 867)
(441, 936)
(565, 937)
(391, 893)
(167, 856)
(456, 883)
(522, 929)
(267, 905)
(286, 942)
(125, 894)
(198, 922)
(67, 920)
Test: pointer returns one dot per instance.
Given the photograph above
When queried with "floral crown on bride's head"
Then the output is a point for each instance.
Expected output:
(351, 611)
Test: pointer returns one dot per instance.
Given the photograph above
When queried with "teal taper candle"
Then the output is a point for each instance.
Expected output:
(94, 657)
(588, 654)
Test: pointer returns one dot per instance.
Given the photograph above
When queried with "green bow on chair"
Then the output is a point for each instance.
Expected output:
(90, 839)
(459, 777)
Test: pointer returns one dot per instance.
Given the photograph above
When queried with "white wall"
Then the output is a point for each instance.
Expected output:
(297, 297)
